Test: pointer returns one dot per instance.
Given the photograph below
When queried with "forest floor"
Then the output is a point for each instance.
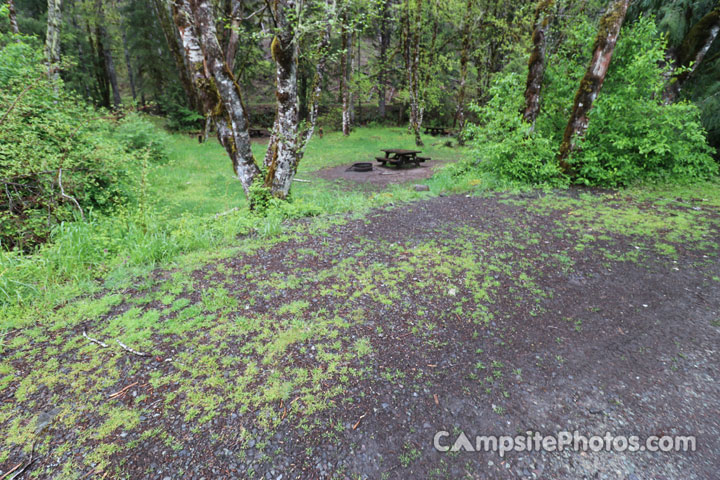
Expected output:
(341, 346)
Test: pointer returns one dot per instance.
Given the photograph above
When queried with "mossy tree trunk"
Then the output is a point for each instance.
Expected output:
(235, 15)
(384, 44)
(52, 38)
(414, 74)
(110, 71)
(323, 52)
(175, 45)
(536, 64)
(345, 60)
(692, 51)
(590, 85)
(215, 85)
(12, 16)
(128, 65)
(283, 162)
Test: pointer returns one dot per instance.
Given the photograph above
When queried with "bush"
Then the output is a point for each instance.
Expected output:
(57, 157)
(632, 135)
(136, 133)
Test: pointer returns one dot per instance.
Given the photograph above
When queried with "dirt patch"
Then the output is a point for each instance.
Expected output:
(490, 316)
(381, 176)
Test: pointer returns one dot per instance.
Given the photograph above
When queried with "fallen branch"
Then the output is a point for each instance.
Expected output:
(62, 192)
(11, 470)
(139, 354)
(359, 420)
(301, 180)
(93, 340)
(22, 470)
(222, 214)
(122, 391)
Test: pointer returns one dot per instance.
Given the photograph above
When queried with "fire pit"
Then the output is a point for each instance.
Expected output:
(361, 167)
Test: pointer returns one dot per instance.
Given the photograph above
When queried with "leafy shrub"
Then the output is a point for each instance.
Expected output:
(136, 133)
(503, 141)
(58, 159)
(632, 135)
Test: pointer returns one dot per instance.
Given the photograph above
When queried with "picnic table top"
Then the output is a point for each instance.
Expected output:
(400, 151)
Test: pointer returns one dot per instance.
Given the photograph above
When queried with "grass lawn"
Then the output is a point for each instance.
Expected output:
(199, 179)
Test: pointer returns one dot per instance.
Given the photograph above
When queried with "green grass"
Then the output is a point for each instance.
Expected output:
(192, 204)
(199, 179)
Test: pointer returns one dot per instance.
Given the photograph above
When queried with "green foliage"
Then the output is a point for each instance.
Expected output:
(179, 116)
(56, 155)
(136, 133)
(632, 135)
(502, 141)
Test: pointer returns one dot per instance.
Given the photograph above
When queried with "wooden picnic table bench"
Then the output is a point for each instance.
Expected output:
(400, 157)
(437, 131)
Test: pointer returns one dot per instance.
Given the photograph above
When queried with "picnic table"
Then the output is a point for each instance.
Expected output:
(437, 131)
(400, 157)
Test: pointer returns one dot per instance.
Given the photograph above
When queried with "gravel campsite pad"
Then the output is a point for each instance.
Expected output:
(339, 349)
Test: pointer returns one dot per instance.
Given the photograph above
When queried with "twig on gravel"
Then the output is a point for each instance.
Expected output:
(139, 354)
(437, 402)
(93, 340)
(359, 420)
(22, 470)
(11, 470)
(123, 390)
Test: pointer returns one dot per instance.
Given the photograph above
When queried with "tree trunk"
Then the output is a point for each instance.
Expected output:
(314, 101)
(233, 37)
(282, 164)
(13, 17)
(175, 45)
(414, 76)
(384, 44)
(592, 82)
(107, 55)
(459, 120)
(52, 38)
(536, 64)
(214, 84)
(692, 51)
(128, 65)
(102, 85)
(345, 77)
(357, 113)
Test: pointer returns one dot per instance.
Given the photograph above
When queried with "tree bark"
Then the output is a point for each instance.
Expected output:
(384, 45)
(102, 85)
(175, 45)
(592, 82)
(536, 64)
(692, 51)
(233, 37)
(282, 164)
(214, 84)
(314, 101)
(107, 55)
(459, 119)
(128, 65)
(345, 76)
(13, 18)
(52, 38)
(414, 76)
